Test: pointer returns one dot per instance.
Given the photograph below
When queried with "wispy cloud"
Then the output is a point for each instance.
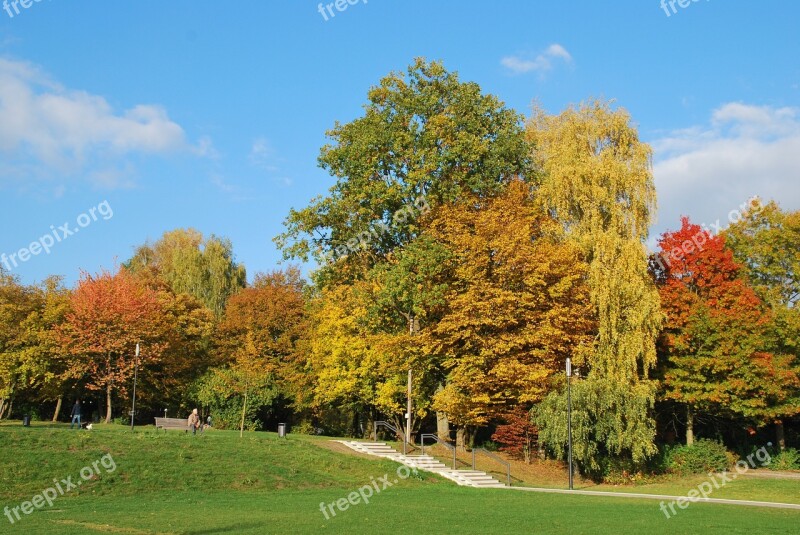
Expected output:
(541, 63)
(48, 131)
(264, 157)
(706, 171)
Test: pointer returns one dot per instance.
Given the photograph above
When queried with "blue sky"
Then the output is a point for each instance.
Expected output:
(211, 114)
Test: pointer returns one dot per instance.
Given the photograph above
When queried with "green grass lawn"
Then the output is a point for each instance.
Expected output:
(537, 475)
(219, 483)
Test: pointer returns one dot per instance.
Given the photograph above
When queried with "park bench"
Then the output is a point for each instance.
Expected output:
(172, 423)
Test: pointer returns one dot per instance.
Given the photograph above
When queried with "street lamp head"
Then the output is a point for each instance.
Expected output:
(137, 350)
(569, 367)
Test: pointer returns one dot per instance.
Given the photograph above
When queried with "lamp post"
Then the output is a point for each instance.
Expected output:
(135, 377)
(569, 420)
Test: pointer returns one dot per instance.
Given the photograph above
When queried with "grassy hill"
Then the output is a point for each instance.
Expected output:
(218, 483)
(150, 462)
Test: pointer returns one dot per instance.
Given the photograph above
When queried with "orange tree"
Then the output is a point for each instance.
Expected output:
(110, 314)
(517, 306)
(259, 334)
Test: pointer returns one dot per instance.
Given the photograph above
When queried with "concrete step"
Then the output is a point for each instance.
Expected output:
(470, 478)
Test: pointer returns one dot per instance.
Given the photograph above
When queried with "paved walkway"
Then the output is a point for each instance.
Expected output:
(768, 474)
(661, 497)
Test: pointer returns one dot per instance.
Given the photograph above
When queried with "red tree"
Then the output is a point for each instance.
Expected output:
(714, 348)
(109, 315)
(518, 435)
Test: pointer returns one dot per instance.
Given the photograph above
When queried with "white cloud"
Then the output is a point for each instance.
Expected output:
(542, 63)
(263, 155)
(48, 131)
(707, 171)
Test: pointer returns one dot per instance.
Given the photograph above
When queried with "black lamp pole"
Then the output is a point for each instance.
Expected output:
(569, 419)
(135, 377)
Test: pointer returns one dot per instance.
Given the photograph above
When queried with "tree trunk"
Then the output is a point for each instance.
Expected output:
(58, 409)
(7, 404)
(442, 423)
(108, 403)
(355, 425)
(371, 425)
(780, 438)
(689, 426)
(462, 436)
(442, 426)
(244, 410)
(108, 388)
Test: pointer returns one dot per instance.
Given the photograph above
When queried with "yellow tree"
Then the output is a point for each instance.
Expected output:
(359, 370)
(597, 182)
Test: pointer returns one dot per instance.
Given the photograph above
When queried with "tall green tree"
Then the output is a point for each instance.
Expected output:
(424, 135)
(426, 138)
(597, 182)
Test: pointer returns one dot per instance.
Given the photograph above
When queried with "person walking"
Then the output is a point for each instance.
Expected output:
(194, 421)
(76, 414)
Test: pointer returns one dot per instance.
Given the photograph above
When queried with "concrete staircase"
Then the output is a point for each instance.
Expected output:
(467, 478)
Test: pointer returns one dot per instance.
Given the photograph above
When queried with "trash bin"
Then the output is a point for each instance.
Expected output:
(26, 420)
(281, 430)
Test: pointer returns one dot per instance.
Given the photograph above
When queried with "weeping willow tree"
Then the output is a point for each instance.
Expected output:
(598, 183)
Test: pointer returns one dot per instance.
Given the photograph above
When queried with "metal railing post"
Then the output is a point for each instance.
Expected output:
(496, 458)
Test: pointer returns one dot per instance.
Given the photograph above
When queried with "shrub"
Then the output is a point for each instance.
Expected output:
(304, 428)
(621, 471)
(788, 459)
(490, 446)
(700, 458)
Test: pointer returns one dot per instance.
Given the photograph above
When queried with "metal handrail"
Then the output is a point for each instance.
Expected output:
(422, 438)
(496, 458)
(390, 427)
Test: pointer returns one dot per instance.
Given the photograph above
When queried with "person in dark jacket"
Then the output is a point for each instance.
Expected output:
(76, 414)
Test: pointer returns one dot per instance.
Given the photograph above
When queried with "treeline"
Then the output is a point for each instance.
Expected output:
(472, 249)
